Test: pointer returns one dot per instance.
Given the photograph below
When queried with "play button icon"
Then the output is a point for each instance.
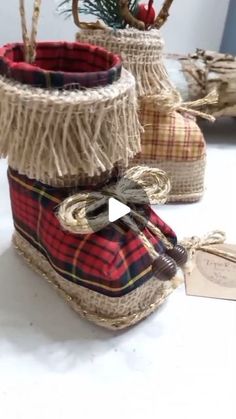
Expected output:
(118, 199)
(116, 210)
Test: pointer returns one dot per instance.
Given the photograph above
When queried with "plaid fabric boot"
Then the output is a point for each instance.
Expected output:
(69, 126)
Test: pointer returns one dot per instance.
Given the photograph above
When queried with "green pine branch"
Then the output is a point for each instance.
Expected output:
(106, 10)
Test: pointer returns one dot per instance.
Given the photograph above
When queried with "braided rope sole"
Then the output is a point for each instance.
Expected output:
(108, 312)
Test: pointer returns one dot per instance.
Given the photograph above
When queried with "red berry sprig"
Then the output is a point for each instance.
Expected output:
(146, 13)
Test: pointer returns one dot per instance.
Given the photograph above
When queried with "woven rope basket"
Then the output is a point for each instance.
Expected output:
(142, 54)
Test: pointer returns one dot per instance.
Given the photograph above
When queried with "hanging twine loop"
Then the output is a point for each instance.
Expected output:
(140, 185)
(30, 41)
(85, 25)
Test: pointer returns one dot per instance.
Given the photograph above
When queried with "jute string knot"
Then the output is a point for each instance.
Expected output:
(140, 185)
(174, 102)
(208, 244)
(30, 41)
(197, 243)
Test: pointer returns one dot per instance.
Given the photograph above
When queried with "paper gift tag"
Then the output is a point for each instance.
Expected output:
(211, 275)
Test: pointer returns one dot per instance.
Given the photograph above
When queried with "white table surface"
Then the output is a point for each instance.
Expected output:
(179, 363)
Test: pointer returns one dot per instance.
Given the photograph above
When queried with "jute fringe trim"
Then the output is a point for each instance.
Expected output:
(186, 178)
(142, 54)
(108, 312)
(51, 134)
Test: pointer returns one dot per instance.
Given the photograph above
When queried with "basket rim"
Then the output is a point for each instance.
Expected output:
(149, 40)
(36, 75)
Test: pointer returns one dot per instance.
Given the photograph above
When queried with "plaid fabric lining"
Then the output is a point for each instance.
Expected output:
(113, 261)
(169, 136)
(61, 65)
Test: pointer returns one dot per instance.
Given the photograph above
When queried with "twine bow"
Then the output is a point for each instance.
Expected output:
(139, 185)
(174, 102)
(30, 41)
(208, 244)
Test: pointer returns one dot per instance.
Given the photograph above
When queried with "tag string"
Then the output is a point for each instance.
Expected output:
(220, 253)
(208, 244)
(30, 40)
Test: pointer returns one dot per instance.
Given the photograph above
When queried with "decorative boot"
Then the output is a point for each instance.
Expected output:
(171, 139)
(69, 126)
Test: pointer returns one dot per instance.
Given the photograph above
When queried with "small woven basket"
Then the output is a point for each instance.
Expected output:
(142, 55)
(165, 130)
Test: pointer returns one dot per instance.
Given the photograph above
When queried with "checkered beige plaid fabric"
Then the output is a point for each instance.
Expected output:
(174, 143)
(169, 137)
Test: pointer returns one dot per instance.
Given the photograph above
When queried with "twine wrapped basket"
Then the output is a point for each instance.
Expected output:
(67, 144)
(142, 55)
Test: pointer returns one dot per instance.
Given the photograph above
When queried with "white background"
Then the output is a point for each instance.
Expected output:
(180, 363)
(192, 24)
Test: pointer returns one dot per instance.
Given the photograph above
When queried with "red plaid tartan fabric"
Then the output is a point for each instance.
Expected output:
(61, 65)
(169, 137)
(113, 261)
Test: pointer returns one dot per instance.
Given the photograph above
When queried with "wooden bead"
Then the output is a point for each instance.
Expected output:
(179, 254)
(164, 268)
